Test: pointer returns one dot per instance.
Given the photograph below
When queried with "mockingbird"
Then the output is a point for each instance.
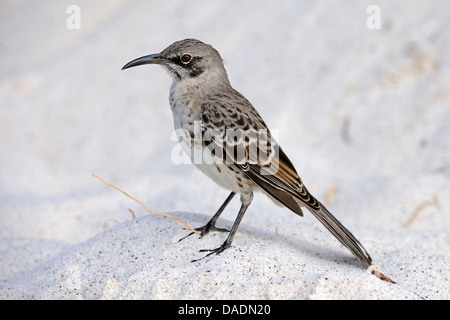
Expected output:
(227, 140)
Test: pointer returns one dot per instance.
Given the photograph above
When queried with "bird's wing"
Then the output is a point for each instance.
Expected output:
(248, 144)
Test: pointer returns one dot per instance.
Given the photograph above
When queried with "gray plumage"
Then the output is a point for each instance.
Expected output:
(206, 108)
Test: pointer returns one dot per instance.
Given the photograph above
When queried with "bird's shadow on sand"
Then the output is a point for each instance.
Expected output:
(311, 249)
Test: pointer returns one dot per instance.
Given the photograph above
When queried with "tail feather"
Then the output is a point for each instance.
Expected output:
(342, 234)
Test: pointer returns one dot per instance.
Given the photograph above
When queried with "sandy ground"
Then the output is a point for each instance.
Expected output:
(363, 114)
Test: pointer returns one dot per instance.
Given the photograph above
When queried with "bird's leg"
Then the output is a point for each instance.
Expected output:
(227, 243)
(211, 225)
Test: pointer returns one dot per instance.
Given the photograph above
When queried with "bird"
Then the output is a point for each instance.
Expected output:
(227, 139)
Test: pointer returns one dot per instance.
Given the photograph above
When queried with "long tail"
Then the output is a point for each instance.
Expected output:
(342, 234)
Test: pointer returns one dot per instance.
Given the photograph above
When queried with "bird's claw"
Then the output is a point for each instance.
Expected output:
(205, 230)
(218, 250)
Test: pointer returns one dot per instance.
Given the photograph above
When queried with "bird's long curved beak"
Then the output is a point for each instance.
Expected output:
(150, 59)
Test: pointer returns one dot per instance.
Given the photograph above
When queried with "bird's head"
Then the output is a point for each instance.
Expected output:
(188, 59)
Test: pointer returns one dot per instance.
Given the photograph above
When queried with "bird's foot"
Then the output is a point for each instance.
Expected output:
(205, 230)
(218, 250)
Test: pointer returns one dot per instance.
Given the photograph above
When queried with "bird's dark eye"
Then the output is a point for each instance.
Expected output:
(186, 58)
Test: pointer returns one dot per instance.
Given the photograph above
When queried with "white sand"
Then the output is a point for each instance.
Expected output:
(362, 112)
